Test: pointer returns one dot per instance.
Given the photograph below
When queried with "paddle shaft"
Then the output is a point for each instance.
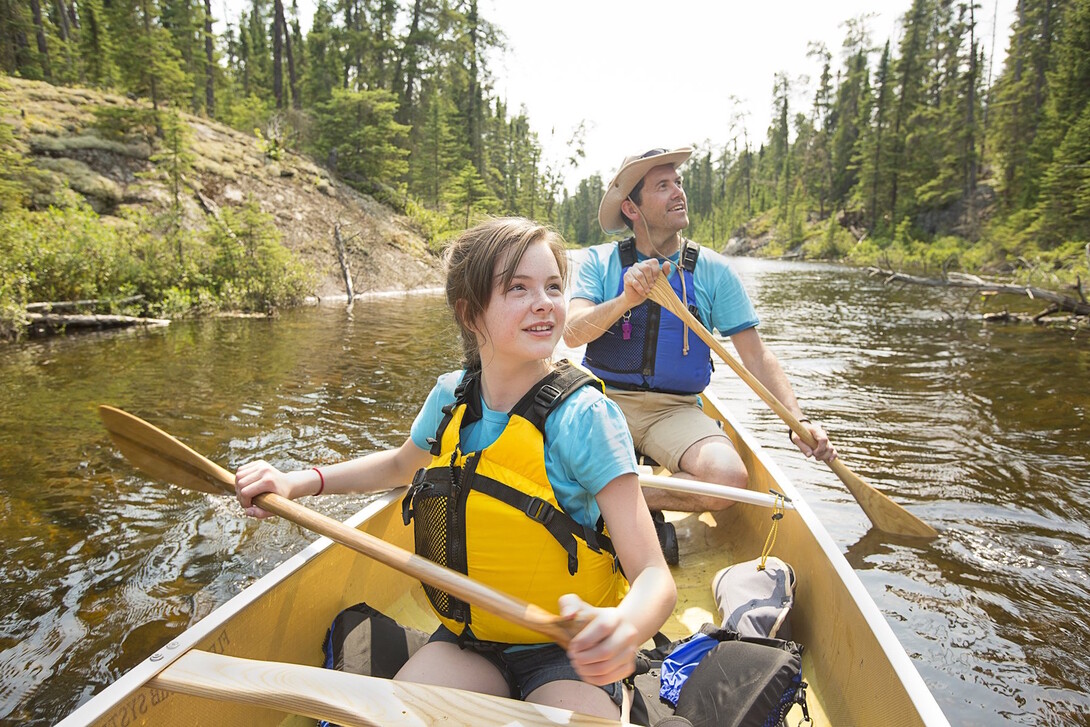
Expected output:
(883, 513)
(153, 450)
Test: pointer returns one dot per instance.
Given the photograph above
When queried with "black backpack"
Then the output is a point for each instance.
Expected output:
(740, 681)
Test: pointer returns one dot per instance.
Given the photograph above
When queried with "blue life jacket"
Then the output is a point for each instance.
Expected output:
(644, 349)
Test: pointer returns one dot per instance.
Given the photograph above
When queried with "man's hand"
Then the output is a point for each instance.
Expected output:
(639, 280)
(824, 451)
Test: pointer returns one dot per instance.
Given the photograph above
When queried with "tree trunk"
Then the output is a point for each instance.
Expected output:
(154, 81)
(406, 63)
(62, 18)
(39, 32)
(293, 86)
(474, 95)
(342, 258)
(970, 121)
(209, 63)
(278, 46)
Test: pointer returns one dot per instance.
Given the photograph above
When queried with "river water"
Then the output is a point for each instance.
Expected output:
(980, 430)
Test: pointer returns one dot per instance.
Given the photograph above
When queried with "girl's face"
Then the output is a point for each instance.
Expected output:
(525, 319)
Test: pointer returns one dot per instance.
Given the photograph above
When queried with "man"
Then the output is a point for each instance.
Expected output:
(652, 364)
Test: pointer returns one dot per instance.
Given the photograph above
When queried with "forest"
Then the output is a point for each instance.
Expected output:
(910, 151)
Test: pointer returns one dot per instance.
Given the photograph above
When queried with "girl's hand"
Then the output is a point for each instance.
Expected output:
(254, 478)
(605, 650)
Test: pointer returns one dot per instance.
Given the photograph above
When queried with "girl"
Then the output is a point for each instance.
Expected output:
(515, 463)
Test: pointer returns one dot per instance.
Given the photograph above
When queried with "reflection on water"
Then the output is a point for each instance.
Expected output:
(980, 431)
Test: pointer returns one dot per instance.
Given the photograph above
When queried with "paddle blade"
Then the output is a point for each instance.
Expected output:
(159, 455)
(885, 514)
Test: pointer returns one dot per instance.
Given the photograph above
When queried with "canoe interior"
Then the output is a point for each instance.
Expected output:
(284, 617)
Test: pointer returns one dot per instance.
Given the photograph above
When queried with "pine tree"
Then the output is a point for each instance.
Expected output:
(1063, 144)
(468, 195)
(96, 45)
(358, 129)
(324, 62)
(850, 98)
(149, 65)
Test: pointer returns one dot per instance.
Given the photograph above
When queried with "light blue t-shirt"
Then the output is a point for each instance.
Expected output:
(587, 444)
(721, 299)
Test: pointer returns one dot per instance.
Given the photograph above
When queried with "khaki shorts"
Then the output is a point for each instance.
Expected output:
(664, 426)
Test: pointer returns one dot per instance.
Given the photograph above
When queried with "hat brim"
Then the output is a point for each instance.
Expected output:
(628, 176)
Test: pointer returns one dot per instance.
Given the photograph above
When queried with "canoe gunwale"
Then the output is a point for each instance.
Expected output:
(894, 650)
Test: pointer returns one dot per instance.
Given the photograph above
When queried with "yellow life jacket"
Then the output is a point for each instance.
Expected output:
(493, 516)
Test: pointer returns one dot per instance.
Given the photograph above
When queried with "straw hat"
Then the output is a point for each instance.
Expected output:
(632, 170)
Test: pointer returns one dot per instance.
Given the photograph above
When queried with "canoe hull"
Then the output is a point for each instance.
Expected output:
(858, 671)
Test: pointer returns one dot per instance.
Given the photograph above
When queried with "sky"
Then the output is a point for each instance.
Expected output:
(640, 74)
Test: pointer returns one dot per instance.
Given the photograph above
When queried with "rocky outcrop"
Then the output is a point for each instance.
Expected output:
(61, 136)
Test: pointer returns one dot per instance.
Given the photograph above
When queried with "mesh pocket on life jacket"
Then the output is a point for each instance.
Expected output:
(433, 511)
(625, 356)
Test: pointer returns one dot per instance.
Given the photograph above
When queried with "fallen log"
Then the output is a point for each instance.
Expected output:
(49, 306)
(53, 322)
(965, 280)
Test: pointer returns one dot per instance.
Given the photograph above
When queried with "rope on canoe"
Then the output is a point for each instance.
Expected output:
(777, 515)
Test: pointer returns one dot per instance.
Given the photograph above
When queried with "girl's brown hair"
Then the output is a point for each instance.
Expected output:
(470, 263)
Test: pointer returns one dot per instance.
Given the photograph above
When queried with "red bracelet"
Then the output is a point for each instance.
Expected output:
(321, 481)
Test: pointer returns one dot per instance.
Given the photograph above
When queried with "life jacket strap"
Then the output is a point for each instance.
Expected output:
(560, 525)
(690, 251)
(561, 383)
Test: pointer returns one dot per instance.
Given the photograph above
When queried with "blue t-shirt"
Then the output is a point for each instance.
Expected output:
(587, 444)
(721, 299)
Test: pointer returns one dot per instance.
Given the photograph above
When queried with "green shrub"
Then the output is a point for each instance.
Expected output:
(252, 269)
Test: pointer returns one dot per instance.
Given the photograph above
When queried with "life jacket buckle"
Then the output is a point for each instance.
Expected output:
(546, 395)
(539, 511)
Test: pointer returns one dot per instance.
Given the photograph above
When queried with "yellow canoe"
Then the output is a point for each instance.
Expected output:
(256, 659)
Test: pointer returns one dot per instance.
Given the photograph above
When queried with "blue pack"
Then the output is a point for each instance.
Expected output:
(680, 663)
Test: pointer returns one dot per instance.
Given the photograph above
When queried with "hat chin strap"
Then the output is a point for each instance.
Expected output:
(684, 293)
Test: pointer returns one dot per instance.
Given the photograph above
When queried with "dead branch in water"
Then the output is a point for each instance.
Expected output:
(1079, 309)
(965, 280)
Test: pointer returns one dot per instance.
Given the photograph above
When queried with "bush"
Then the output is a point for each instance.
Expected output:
(252, 270)
(63, 254)
(835, 242)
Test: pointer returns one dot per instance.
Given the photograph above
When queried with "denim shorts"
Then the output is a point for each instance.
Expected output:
(525, 668)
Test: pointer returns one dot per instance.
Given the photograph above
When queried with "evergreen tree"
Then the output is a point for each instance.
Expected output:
(851, 95)
(909, 73)
(437, 148)
(817, 162)
(1018, 103)
(358, 130)
(468, 195)
(1063, 144)
(148, 62)
(97, 45)
(324, 61)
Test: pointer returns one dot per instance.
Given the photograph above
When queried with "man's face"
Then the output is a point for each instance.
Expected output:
(662, 200)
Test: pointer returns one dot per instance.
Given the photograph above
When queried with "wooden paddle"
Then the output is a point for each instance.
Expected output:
(164, 457)
(883, 512)
(352, 700)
